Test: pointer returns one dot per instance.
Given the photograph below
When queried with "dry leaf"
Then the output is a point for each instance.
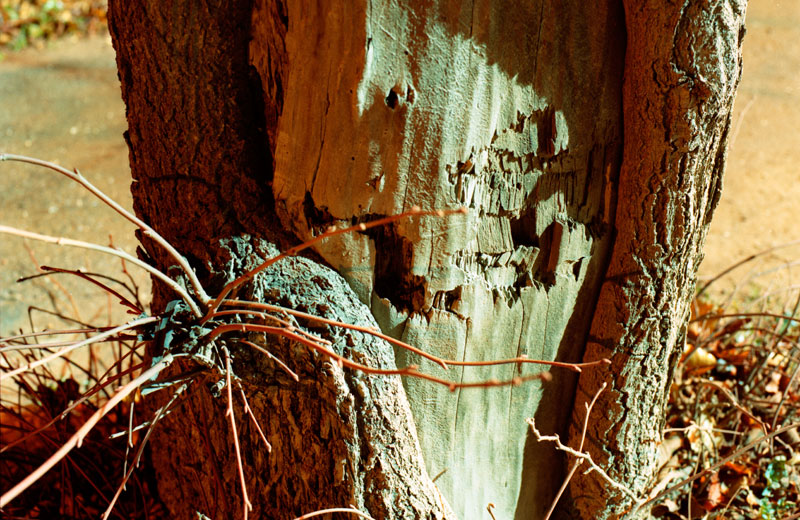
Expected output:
(714, 493)
(700, 361)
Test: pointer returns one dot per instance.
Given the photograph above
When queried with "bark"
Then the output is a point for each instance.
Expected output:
(682, 70)
(512, 109)
(262, 122)
(200, 158)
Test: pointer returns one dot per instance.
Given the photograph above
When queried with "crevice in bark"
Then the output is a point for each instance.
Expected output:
(392, 279)
(318, 219)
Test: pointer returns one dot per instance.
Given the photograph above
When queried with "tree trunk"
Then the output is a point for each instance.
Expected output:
(511, 110)
(263, 122)
(200, 141)
(682, 69)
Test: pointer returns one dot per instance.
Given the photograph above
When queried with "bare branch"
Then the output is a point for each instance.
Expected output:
(77, 437)
(583, 456)
(158, 415)
(321, 512)
(88, 341)
(444, 363)
(229, 412)
(411, 371)
(736, 454)
(249, 412)
(580, 449)
(61, 241)
(147, 230)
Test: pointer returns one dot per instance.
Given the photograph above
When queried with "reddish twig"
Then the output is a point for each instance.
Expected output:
(321, 512)
(444, 363)
(311, 317)
(77, 437)
(147, 230)
(270, 355)
(158, 415)
(58, 285)
(265, 317)
(229, 412)
(411, 371)
(93, 339)
(576, 367)
(89, 278)
(249, 412)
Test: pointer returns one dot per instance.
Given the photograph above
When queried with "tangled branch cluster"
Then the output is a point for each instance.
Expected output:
(200, 328)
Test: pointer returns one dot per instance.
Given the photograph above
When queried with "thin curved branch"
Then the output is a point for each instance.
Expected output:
(334, 510)
(248, 506)
(444, 363)
(311, 317)
(147, 230)
(77, 437)
(88, 277)
(738, 453)
(411, 371)
(61, 241)
(88, 341)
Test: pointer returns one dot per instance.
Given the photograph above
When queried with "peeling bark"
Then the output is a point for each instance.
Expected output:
(512, 109)
(266, 121)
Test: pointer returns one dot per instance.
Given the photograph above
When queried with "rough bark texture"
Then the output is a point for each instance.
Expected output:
(512, 109)
(200, 155)
(255, 118)
(682, 70)
(339, 437)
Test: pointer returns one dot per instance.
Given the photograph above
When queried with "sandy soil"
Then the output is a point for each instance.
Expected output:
(762, 188)
(63, 104)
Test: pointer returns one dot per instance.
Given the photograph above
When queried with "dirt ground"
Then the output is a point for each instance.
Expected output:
(63, 104)
(762, 183)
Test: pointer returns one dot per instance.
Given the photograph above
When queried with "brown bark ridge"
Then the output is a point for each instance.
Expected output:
(510, 108)
(251, 118)
(682, 70)
(338, 437)
(201, 136)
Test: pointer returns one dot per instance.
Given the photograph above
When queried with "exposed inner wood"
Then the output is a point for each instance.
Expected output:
(513, 111)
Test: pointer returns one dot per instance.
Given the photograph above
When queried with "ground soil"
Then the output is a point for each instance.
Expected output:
(63, 104)
(762, 182)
